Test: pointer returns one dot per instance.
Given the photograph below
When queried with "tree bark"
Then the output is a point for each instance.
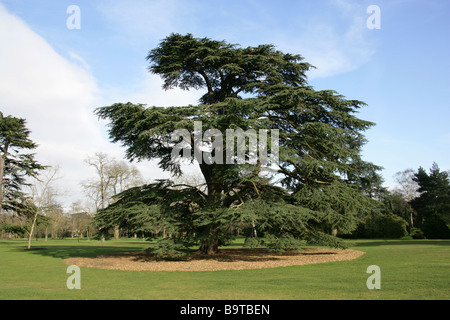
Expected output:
(31, 230)
(2, 169)
(210, 245)
(411, 218)
(116, 233)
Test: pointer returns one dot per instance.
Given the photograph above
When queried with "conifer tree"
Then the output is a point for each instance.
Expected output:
(433, 203)
(315, 158)
(15, 163)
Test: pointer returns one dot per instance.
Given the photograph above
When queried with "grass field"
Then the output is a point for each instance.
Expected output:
(410, 269)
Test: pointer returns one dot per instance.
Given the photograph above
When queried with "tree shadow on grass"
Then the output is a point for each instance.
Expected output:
(390, 242)
(72, 251)
(226, 255)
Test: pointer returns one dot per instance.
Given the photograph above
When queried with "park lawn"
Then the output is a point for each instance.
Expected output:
(410, 269)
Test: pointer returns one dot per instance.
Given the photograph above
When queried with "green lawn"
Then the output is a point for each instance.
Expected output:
(410, 269)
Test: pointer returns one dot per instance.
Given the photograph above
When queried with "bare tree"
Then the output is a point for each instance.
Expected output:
(123, 176)
(43, 195)
(100, 161)
(79, 219)
(112, 178)
(190, 179)
(58, 222)
(407, 188)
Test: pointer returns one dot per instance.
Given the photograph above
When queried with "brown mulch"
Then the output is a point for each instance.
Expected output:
(226, 259)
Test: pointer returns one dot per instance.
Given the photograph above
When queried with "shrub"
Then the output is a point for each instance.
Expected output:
(252, 242)
(282, 243)
(167, 248)
(435, 228)
(416, 233)
(382, 226)
(17, 230)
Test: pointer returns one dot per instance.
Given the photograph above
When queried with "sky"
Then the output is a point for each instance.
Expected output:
(55, 72)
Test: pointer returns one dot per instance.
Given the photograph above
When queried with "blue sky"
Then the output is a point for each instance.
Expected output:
(54, 77)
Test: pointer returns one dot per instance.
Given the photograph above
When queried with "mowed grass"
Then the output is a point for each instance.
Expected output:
(410, 269)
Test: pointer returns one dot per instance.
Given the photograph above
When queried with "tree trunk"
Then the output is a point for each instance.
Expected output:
(255, 233)
(116, 233)
(2, 166)
(411, 218)
(210, 245)
(31, 230)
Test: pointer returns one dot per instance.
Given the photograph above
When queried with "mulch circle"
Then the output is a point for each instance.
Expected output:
(226, 259)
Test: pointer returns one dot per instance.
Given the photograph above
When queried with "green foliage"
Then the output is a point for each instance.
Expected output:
(387, 226)
(335, 205)
(252, 242)
(15, 165)
(224, 69)
(416, 233)
(434, 199)
(434, 227)
(14, 229)
(169, 249)
(283, 243)
(318, 238)
(395, 203)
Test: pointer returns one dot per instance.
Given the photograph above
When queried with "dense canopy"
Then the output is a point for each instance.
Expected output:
(314, 183)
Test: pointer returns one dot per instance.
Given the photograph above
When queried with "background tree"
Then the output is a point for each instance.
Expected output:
(408, 189)
(57, 225)
(15, 164)
(42, 198)
(80, 221)
(190, 180)
(112, 178)
(123, 176)
(253, 88)
(433, 203)
(407, 185)
(396, 203)
(101, 183)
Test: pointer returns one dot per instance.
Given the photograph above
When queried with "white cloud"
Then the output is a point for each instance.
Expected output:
(56, 97)
(148, 90)
(52, 93)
